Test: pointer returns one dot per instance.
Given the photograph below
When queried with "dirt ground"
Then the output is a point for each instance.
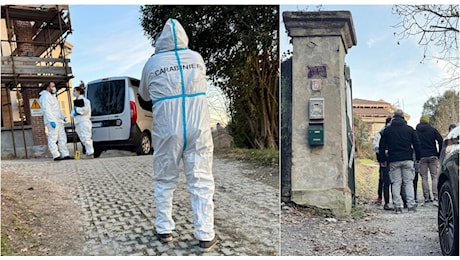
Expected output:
(368, 231)
(38, 218)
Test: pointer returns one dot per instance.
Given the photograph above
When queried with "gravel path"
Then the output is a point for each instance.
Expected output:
(379, 233)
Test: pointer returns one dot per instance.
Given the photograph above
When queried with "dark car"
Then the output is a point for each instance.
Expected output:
(448, 194)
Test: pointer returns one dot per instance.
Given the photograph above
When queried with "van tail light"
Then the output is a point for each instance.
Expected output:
(132, 106)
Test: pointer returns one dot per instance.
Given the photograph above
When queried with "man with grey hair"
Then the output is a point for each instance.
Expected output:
(398, 142)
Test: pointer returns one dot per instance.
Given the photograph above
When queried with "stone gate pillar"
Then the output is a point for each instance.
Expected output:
(319, 173)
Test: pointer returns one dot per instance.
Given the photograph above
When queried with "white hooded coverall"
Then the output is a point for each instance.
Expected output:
(52, 113)
(83, 124)
(175, 80)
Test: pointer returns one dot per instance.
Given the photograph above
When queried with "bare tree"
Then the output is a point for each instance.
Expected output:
(436, 27)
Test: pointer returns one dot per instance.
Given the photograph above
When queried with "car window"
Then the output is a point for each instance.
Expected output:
(107, 97)
(135, 82)
(451, 143)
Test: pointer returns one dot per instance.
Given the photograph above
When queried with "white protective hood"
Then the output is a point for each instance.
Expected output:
(173, 37)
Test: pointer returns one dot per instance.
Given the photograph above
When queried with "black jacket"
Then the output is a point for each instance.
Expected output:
(400, 140)
(428, 137)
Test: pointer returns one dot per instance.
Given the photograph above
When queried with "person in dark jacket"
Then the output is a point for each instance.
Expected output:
(384, 171)
(398, 142)
(429, 156)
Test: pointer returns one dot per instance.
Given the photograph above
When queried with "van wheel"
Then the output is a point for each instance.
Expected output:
(145, 145)
(97, 153)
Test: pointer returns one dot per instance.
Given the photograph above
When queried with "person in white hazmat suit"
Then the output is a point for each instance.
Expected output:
(82, 113)
(174, 78)
(53, 117)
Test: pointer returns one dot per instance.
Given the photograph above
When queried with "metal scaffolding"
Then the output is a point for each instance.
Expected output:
(44, 60)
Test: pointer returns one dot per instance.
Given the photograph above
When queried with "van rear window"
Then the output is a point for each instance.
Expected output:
(107, 97)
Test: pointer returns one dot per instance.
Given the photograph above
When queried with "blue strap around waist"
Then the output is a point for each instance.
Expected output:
(179, 96)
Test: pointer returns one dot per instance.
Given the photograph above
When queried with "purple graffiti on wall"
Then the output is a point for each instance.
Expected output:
(315, 72)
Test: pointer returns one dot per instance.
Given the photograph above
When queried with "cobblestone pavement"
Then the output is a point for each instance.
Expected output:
(116, 198)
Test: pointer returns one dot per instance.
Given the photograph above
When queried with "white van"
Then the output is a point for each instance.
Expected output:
(121, 119)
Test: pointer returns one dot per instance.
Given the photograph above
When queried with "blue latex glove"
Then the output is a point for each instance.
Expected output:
(53, 124)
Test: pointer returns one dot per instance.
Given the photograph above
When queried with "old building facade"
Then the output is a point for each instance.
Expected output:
(373, 113)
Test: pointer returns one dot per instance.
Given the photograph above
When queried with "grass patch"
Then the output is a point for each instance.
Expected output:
(6, 251)
(358, 212)
(271, 252)
(366, 180)
(367, 161)
(265, 157)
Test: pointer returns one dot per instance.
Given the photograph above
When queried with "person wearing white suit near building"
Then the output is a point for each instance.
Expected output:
(53, 117)
(82, 117)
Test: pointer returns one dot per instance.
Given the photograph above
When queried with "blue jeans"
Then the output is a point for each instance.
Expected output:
(402, 174)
